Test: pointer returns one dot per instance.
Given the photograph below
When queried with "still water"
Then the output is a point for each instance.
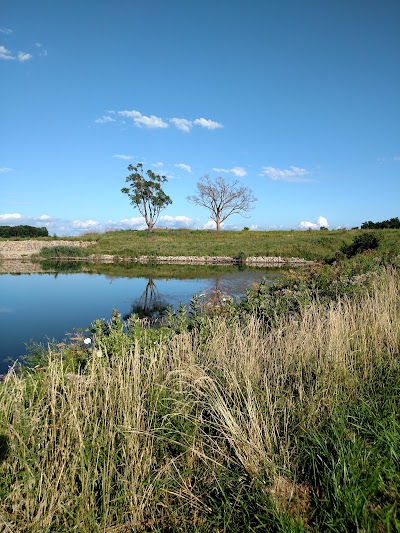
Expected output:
(42, 307)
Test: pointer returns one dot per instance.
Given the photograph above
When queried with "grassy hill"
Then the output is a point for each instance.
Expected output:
(312, 245)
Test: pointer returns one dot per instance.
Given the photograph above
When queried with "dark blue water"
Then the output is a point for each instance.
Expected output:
(45, 307)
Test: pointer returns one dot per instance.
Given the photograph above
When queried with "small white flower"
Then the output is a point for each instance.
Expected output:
(87, 341)
(99, 353)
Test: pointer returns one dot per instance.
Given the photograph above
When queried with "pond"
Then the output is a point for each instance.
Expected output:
(48, 305)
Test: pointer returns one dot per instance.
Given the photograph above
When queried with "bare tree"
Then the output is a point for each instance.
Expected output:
(223, 198)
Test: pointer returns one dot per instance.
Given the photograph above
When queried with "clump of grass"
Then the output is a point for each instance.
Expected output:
(238, 425)
(56, 252)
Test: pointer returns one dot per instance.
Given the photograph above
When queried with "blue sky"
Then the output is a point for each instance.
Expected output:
(296, 99)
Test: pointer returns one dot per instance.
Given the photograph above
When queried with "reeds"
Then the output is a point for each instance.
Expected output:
(234, 430)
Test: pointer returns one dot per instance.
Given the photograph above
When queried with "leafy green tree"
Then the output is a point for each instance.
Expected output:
(146, 194)
(392, 223)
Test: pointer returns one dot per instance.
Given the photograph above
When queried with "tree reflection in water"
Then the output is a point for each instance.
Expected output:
(150, 305)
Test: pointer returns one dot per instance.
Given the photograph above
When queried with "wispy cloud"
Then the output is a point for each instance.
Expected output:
(153, 121)
(6, 31)
(182, 124)
(84, 224)
(122, 156)
(43, 217)
(292, 174)
(236, 171)
(150, 122)
(396, 158)
(129, 114)
(183, 166)
(22, 56)
(42, 50)
(209, 124)
(143, 120)
(3, 170)
(5, 54)
(159, 164)
(104, 120)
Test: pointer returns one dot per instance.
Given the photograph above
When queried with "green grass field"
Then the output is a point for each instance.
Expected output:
(312, 245)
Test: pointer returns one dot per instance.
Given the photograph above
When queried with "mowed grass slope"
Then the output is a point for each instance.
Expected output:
(312, 245)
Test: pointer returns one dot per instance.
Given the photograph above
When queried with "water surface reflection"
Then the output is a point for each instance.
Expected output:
(46, 305)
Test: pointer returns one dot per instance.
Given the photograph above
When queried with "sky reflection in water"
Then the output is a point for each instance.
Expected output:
(41, 307)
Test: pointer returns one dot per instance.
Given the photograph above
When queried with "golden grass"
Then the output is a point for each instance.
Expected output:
(126, 445)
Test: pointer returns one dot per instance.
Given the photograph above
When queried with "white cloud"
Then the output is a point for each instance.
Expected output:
(42, 50)
(153, 121)
(22, 56)
(150, 122)
(104, 120)
(305, 224)
(209, 124)
(43, 217)
(179, 221)
(3, 170)
(84, 224)
(142, 120)
(131, 223)
(5, 54)
(211, 225)
(236, 171)
(291, 174)
(10, 216)
(188, 168)
(159, 164)
(182, 124)
(6, 31)
(320, 222)
(122, 156)
(130, 114)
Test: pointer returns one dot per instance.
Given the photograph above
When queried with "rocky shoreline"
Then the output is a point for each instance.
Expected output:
(23, 250)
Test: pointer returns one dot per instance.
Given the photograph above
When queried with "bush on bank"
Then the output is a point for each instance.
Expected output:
(63, 251)
(276, 413)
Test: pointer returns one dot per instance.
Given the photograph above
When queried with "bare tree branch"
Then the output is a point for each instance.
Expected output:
(222, 198)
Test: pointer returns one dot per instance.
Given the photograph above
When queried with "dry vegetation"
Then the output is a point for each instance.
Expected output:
(231, 426)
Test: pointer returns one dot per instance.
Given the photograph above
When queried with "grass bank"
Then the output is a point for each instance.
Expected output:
(310, 245)
(277, 414)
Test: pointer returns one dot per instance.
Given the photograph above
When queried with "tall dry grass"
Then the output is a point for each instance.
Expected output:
(142, 439)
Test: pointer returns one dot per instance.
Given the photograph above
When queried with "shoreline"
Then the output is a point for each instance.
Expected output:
(26, 250)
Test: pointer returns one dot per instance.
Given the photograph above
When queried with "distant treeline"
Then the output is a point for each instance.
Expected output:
(393, 223)
(23, 231)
